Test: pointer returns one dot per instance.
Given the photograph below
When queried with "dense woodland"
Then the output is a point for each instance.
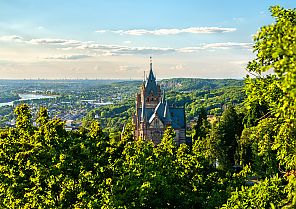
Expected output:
(244, 159)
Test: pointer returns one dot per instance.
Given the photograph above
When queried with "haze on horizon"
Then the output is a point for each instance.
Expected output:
(114, 39)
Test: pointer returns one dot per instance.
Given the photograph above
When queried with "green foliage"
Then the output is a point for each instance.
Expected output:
(267, 194)
(290, 190)
(268, 142)
(167, 143)
(218, 142)
(256, 147)
(112, 117)
(223, 139)
(23, 117)
(48, 167)
(42, 117)
(275, 48)
(255, 112)
(202, 126)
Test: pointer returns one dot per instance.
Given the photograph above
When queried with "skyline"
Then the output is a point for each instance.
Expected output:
(114, 39)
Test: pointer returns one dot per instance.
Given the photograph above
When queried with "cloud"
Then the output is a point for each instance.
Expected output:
(101, 31)
(238, 19)
(123, 50)
(11, 38)
(85, 49)
(67, 57)
(190, 49)
(178, 67)
(63, 42)
(175, 31)
(227, 45)
(126, 68)
(239, 62)
(213, 46)
(143, 50)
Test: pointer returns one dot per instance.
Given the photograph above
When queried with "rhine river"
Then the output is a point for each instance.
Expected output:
(25, 97)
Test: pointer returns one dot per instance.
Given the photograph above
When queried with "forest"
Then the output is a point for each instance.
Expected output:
(246, 158)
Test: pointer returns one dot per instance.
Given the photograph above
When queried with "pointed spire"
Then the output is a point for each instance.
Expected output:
(144, 76)
(150, 84)
(151, 75)
(151, 69)
(167, 114)
(143, 113)
(163, 97)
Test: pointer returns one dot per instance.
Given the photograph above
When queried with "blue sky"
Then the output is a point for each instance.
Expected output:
(114, 39)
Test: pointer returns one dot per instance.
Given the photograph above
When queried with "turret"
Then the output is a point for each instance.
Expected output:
(150, 85)
(143, 112)
(167, 114)
(163, 99)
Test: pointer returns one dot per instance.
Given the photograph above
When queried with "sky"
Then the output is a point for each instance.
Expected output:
(113, 39)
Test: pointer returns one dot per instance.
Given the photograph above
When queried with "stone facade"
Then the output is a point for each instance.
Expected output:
(154, 114)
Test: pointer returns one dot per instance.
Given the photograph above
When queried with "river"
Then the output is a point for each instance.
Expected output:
(25, 97)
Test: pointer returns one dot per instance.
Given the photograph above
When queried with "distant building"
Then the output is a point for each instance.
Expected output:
(154, 114)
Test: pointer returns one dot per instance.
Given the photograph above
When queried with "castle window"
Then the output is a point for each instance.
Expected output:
(151, 99)
(147, 99)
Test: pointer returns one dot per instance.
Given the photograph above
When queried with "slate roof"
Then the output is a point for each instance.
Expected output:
(175, 116)
(150, 84)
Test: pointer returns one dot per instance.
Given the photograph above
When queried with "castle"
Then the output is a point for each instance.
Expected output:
(154, 114)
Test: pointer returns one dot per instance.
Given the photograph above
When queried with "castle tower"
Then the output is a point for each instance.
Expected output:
(151, 90)
(154, 114)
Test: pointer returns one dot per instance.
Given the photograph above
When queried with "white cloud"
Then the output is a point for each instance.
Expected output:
(175, 31)
(213, 46)
(178, 67)
(87, 48)
(238, 19)
(144, 50)
(122, 50)
(208, 30)
(239, 62)
(101, 31)
(55, 41)
(11, 38)
(190, 49)
(126, 68)
(227, 45)
(67, 57)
